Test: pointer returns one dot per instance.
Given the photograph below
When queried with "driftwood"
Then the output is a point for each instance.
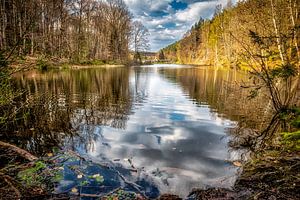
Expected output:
(19, 151)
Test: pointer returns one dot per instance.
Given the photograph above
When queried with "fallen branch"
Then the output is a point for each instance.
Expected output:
(133, 185)
(19, 151)
(87, 195)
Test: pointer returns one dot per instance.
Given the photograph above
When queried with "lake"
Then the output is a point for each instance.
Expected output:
(169, 124)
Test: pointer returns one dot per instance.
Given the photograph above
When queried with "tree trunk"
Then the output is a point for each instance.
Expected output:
(294, 28)
(278, 40)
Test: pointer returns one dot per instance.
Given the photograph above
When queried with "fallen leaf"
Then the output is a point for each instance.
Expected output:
(237, 164)
(74, 190)
(49, 154)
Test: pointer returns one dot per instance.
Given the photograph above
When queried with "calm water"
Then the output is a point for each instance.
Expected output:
(169, 122)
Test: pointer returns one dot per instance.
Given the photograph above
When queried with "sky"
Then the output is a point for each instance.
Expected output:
(168, 20)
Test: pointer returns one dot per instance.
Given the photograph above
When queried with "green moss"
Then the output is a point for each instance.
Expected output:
(294, 136)
(296, 120)
(31, 175)
(291, 141)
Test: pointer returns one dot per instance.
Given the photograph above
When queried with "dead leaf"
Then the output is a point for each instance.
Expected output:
(49, 154)
(74, 190)
(237, 164)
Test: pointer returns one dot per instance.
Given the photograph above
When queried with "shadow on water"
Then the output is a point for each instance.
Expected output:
(165, 128)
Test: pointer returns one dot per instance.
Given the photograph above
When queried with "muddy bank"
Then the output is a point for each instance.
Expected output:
(273, 175)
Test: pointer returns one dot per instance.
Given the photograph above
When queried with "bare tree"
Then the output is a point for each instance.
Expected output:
(139, 39)
(78, 30)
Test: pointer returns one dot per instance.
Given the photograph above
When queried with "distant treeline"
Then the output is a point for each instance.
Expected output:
(73, 29)
(237, 32)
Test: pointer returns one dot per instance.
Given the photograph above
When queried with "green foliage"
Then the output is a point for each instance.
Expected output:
(284, 71)
(42, 64)
(291, 116)
(291, 140)
(97, 177)
(295, 121)
(3, 62)
(31, 176)
(65, 66)
(92, 62)
(294, 136)
(253, 93)
(6, 89)
(7, 95)
(256, 39)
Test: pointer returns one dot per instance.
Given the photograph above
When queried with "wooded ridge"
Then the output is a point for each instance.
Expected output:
(236, 34)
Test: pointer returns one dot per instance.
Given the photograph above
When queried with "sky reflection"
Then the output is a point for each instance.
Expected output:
(178, 144)
(169, 121)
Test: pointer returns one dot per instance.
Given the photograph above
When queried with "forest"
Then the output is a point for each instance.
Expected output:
(236, 34)
(74, 30)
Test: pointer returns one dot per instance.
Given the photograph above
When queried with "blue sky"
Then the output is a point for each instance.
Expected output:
(168, 20)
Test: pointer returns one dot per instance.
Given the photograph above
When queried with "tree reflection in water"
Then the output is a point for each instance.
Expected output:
(172, 121)
(61, 105)
(222, 90)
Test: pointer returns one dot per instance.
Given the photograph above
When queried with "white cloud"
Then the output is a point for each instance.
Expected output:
(195, 11)
(138, 6)
(167, 25)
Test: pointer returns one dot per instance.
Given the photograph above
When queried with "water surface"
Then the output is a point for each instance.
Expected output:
(167, 122)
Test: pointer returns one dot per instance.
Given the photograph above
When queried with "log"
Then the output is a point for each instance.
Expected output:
(19, 151)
